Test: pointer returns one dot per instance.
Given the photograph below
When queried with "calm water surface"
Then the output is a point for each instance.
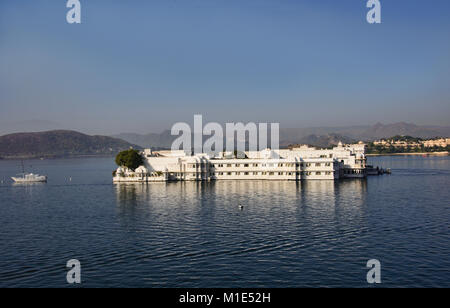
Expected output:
(317, 233)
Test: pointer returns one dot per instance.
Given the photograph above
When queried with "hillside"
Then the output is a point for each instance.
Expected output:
(319, 136)
(59, 143)
(365, 133)
(402, 129)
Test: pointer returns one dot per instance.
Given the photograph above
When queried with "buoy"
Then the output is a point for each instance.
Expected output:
(241, 207)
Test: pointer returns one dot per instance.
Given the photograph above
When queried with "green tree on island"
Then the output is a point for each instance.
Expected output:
(130, 158)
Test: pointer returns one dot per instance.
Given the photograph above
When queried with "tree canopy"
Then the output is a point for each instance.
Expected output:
(130, 158)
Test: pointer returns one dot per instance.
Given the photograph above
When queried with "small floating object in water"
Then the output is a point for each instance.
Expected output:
(241, 207)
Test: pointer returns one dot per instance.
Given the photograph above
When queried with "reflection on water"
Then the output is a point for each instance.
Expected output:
(260, 194)
(201, 225)
(194, 204)
(30, 188)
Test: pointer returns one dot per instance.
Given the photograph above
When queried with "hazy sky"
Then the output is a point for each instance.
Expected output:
(140, 66)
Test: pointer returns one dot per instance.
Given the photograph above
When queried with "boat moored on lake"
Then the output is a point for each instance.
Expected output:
(30, 178)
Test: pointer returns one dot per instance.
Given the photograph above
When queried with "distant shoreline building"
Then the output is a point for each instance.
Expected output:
(302, 163)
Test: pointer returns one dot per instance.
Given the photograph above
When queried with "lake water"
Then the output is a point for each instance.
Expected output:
(316, 233)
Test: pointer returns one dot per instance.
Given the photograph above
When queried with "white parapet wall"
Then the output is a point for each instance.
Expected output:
(140, 175)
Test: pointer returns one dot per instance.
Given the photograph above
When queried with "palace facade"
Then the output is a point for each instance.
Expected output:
(303, 163)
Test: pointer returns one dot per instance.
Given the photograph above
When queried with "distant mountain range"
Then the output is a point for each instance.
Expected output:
(59, 143)
(155, 141)
(64, 143)
(315, 136)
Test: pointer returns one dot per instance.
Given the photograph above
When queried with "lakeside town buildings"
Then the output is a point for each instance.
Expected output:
(431, 143)
(302, 163)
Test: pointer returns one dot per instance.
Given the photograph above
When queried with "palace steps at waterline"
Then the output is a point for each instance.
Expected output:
(303, 163)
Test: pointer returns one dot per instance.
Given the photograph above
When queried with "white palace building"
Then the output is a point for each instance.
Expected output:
(303, 163)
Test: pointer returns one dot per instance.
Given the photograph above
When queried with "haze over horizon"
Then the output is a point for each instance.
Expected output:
(142, 66)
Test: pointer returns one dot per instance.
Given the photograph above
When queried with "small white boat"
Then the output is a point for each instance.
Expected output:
(29, 178)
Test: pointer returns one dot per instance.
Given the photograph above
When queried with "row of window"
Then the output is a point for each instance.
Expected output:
(255, 173)
(272, 173)
(261, 165)
(317, 173)
(353, 171)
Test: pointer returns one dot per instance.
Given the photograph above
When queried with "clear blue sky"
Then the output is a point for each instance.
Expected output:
(140, 66)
